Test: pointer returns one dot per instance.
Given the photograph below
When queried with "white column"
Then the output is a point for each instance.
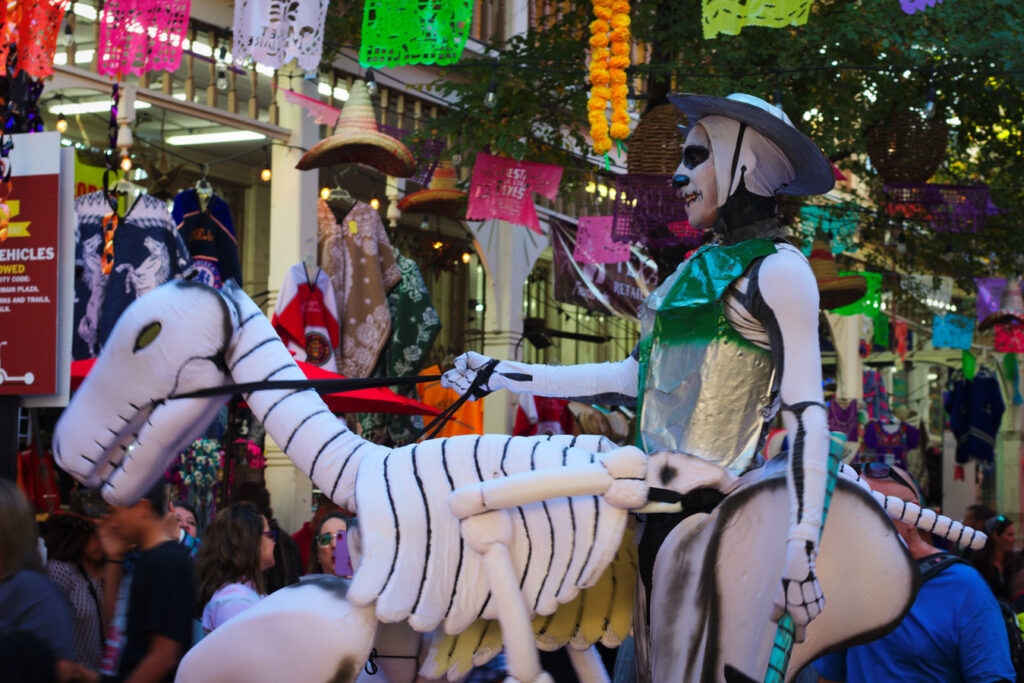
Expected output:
(293, 196)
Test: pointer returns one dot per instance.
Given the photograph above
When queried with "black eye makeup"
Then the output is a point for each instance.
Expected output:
(695, 155)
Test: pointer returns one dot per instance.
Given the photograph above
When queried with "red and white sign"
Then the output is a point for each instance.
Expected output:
(30, 256)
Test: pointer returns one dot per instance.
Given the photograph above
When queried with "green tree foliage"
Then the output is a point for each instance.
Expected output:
(853, 65)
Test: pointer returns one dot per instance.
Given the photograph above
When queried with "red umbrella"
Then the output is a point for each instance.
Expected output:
(359, 401)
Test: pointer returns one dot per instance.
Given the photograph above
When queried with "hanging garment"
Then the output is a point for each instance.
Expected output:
(147, 252)
(415, 325)
(306, 317)
(844, 419)
(975, 409)
(876, 400)
(469, 419)
(210, 237)
(358, 258)
(889, 443)
(542, 415)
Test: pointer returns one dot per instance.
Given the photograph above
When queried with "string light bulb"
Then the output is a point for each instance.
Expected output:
(491, 98)
(68, 39)
(466, 256)
(375, 203)
(62, 124)
(126, 163)
(325, 192)
(222, 79)
(266, 173)
(371, 83)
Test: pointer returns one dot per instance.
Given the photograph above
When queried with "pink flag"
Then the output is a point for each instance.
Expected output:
(322, 114)
(503, 188)
(141, 35)
(594, 243)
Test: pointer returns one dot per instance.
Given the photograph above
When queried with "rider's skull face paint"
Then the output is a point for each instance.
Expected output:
(695, 179)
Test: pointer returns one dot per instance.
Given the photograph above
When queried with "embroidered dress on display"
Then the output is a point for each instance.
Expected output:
(396, 32)
(273, 32)
(141, 35)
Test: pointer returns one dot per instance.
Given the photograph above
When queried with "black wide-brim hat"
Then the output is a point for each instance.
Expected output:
(814, 174)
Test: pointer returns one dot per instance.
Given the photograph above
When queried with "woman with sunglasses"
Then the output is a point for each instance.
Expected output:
(325, 542)
(237, 548)
(997, 562)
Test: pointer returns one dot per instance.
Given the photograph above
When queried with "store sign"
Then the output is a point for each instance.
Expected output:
(610, 288)
(31, 253)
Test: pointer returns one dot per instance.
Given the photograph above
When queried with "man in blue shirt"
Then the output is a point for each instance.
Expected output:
(953, 633)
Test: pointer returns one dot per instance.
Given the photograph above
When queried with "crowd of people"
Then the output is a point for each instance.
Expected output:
(125, 591)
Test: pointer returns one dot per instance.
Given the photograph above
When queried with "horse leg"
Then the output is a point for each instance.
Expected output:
(490, 534)
(588, 665)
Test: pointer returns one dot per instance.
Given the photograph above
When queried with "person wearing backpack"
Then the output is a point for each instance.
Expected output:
(954, 631)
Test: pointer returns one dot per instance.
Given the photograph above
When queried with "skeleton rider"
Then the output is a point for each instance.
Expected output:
(729, 339)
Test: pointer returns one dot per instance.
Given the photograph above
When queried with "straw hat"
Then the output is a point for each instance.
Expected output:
(591, 420)
(836, 291)
(814, 174)
(1011, 307)
(357, 140)
(441, 198)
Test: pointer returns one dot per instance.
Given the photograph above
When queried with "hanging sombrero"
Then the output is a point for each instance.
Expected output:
(834, 289)
(357, 140)
(441, 198)
(1011, 307)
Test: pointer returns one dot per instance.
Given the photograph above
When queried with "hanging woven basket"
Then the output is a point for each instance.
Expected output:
(656, 146)
(906, 147)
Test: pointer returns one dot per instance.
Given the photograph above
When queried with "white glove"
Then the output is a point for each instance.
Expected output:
(509, 375)
(799, 592)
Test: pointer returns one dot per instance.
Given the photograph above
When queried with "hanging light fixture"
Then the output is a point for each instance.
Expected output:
(325, 192)
(466, 256)
(491, 98)
(62, 124)
(371, 83)
(266, 173)
(126, 163)
(375, 203)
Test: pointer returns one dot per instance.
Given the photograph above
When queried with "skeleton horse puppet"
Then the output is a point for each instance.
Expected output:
(494, 541)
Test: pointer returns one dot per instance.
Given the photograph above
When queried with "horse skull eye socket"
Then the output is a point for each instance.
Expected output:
(695, 155)
(146, 336)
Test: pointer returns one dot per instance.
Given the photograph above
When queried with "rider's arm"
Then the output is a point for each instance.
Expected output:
(790, 295)
(606, 383)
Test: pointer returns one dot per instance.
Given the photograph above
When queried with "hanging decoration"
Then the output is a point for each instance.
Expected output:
(1009, 337)
(911, 6)
(357, 140)
(396, 32)
(950, 208)
(952, 331)
(834, 290)
(729, 17)
(647, 211)
(141, 35)
(594, 243)
(503, 188)
(1010, 310)
(990, 293)
(838, 222)
(871, 303)
(428, 154)
(196, 474)
(609, 59)
(442, 198)
(322, 114)
(273, 32)
(31, 27)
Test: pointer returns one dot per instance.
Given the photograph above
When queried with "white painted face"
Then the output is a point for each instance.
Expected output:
(695, 179)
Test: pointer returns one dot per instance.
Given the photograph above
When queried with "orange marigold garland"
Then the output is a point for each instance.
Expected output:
(609, 58)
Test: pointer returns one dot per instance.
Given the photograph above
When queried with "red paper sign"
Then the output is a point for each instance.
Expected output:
(503, 188)
(28, 287)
